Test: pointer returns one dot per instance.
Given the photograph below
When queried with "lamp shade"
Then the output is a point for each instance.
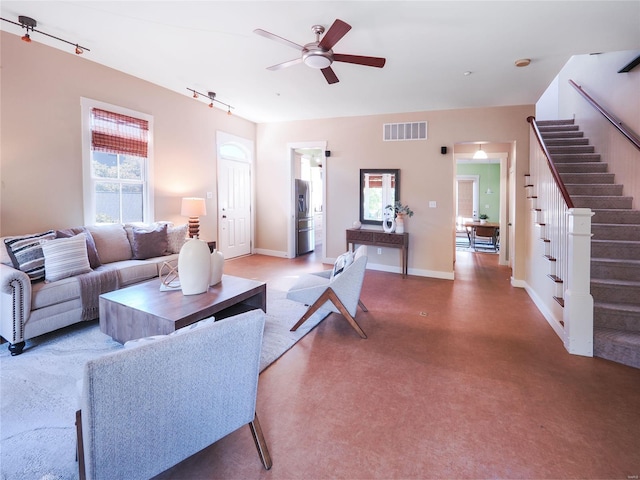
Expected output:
(193, 207)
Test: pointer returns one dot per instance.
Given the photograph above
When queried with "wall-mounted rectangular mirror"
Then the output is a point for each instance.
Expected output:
(378, 188)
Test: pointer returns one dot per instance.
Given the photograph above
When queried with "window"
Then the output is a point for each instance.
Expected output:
(117, 164)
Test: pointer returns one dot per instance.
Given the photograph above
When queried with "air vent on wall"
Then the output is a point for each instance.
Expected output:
(399, 132)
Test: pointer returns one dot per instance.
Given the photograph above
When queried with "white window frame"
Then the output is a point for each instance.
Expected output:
(88, 182)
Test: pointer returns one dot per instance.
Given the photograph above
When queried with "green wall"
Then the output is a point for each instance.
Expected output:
(489, 174)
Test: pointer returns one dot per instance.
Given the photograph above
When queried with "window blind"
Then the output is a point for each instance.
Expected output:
(116, 133)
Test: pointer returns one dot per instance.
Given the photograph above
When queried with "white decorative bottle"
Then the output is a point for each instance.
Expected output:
(194, 267)
(400, 223)
(217, 265)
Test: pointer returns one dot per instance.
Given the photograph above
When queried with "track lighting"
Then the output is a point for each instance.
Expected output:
(29, 24)
(212, 98)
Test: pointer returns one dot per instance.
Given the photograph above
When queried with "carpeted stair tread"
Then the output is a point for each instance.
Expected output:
(613, 231)
(595, 189)
(582, 167)
(615, 282)
(615, 215)
(619, 316)
(616, 345)
(623, 307)
(614, 266)
(576, 157)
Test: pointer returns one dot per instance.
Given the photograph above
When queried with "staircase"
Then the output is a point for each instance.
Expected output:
(615, 245)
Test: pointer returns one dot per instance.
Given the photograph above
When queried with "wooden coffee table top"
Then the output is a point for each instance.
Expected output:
(169, 310)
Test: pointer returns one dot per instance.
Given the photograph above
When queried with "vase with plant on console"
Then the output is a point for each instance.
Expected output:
(194, 267)
(400, 212)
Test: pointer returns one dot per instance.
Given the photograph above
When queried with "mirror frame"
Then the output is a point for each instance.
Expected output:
(363, 172)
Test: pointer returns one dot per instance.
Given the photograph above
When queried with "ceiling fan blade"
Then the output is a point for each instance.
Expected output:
(360, 60)
(338, 30)
(278, 39)
(330, 75)
(282, 65)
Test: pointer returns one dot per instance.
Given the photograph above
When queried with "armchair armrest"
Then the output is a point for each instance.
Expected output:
(15, 304)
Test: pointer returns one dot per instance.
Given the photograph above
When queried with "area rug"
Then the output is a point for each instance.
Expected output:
(39, 393)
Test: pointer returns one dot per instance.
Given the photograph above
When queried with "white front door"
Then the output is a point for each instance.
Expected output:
(234, 198)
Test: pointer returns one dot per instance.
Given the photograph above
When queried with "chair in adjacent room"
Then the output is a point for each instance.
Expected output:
(487, 235)
(336, 290)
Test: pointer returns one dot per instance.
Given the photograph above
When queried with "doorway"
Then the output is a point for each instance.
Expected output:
(308, 167)
(481, 190)
(235, 222)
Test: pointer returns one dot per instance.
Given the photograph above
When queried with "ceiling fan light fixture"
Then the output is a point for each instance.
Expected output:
(316, 60)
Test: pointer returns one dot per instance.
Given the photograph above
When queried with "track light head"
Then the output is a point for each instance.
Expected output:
(26, 38)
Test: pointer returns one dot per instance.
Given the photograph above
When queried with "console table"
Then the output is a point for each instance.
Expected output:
(381, 239)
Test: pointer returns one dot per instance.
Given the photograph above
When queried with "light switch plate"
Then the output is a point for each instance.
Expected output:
(432, 204)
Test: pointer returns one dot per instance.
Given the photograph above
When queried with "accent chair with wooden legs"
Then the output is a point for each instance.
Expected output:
(146, 408)
(336, 290)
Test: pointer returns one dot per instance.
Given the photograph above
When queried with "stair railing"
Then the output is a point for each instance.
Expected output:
(564, 236)
(620, 126)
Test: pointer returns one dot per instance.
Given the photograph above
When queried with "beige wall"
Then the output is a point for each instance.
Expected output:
(426, 175)
(40, 164)
(41, 169)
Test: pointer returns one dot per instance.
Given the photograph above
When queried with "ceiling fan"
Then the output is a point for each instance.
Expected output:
(319, 54)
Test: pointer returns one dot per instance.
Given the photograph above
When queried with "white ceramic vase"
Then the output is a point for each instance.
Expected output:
(389, 225)
(400, 224)
(194, 267)
(217, 265)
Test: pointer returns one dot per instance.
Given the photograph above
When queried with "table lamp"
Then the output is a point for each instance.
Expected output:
(193, 208)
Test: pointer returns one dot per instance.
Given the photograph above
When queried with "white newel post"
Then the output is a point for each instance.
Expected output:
(578, 302)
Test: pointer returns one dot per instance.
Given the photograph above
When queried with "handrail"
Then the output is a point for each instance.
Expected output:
(552, 167)
(627, 132)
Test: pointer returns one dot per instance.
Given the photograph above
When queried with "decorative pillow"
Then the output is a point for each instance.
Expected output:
(176, 237)
(342, 262)
(65, 257)
(111, 242)
(26, 253)
(92, 252)
(148, 244)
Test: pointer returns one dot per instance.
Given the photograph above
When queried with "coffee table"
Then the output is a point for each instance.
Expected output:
(143, 310)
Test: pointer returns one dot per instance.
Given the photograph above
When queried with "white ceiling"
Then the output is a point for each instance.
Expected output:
(210, 46)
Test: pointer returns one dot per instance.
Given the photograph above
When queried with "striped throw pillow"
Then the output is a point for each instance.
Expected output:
(65, 257)
(26, 253)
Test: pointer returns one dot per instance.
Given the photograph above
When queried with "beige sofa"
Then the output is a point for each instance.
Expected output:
(116, 256)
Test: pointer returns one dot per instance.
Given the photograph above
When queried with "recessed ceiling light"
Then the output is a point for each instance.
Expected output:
(523, 62)
(467, 73)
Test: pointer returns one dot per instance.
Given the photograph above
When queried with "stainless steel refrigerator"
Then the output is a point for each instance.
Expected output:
(305, 238)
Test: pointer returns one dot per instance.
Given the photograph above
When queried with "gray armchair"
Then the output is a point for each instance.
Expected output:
(337, 293)
(147, 408)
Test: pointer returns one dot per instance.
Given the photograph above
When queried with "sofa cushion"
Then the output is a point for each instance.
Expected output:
(149, 243)
(65, 257)
(176, 237)
(111, 242)
(26, 253)
(46, 294)
(133, 271)
(92, 252)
